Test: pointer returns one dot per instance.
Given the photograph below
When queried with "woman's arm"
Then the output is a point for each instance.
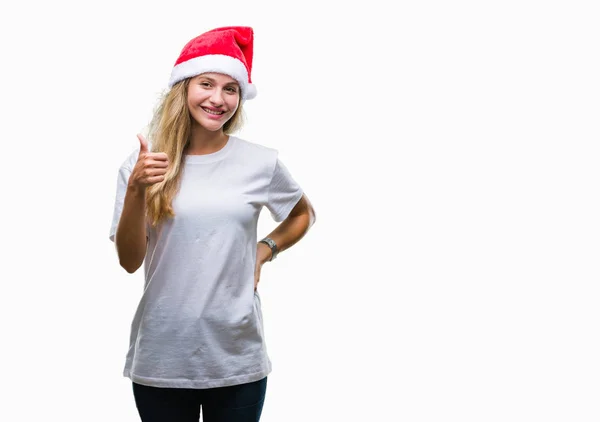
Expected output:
(291, 230)
(130, 238)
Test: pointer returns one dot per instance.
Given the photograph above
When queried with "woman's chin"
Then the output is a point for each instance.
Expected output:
(210, 125)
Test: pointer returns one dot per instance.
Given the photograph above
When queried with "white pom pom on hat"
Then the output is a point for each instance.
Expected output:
(227, 50)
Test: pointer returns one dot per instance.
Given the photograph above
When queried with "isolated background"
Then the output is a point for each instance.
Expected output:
(450, 150)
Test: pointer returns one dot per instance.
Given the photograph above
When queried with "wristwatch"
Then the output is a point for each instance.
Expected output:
(271, 244)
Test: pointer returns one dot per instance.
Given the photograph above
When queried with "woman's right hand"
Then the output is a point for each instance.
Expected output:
(150, 167)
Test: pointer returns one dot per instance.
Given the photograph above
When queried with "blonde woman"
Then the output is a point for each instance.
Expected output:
(187, 207)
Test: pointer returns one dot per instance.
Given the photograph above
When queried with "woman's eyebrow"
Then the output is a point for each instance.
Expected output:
(208, 78)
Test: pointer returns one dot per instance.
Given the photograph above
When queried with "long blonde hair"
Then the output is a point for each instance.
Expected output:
(170, 130)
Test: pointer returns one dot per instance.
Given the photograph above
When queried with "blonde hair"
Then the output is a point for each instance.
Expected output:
(169, 131)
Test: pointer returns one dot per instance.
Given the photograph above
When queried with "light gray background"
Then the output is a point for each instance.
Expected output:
(450, 150)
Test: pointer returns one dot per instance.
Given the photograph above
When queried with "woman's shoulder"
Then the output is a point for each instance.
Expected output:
(255, 149)
(129, 162)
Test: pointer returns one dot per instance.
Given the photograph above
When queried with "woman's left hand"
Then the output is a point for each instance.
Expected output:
(263, 254)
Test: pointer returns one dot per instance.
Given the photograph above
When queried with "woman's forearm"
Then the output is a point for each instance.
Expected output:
(295, 226)
(130, 238)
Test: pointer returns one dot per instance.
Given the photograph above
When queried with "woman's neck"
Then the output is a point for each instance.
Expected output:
(203, 141)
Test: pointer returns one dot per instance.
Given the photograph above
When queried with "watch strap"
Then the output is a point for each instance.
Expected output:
(271, 244)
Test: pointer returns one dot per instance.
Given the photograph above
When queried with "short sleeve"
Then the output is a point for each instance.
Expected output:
(122, 181)
(284, 192)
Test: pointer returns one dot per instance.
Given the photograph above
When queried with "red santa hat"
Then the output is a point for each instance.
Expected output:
(226, 50)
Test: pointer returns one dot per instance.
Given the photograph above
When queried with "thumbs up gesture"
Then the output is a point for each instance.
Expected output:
(150, 167)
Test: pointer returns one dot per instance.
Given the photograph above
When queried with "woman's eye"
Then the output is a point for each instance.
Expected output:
(231, 89)
(206, 84)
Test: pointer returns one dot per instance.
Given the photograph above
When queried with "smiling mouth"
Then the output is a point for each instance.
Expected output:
(213, 112)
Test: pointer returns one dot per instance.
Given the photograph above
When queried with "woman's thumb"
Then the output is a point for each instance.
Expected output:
(143, 143)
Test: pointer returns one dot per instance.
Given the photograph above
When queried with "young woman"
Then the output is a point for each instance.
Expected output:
(187, 207)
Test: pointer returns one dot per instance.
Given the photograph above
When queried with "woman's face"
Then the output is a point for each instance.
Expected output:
(212, 99)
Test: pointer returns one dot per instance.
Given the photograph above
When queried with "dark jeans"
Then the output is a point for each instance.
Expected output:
(238, 403)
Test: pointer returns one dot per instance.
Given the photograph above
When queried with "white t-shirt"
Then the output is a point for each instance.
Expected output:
(199, 321)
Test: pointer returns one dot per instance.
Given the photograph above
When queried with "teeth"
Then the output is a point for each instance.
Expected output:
(213, 112)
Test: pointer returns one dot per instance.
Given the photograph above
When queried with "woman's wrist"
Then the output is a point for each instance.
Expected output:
(263, 253)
